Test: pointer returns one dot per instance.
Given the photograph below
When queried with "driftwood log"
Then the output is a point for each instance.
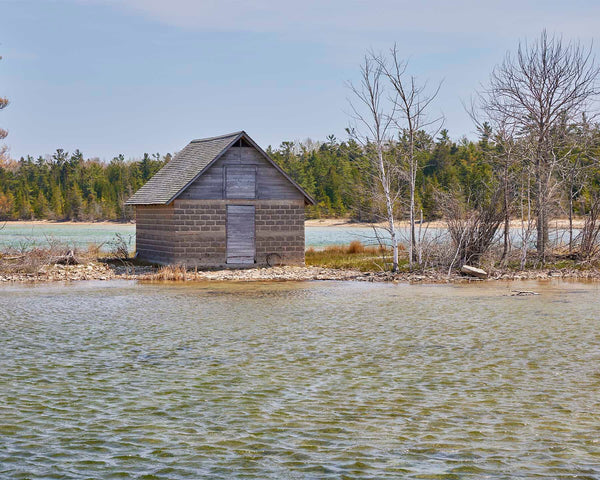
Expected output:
(66, 259)
(473, 271)
(14, 257)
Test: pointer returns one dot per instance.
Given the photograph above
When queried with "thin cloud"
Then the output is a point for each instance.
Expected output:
(325, 18)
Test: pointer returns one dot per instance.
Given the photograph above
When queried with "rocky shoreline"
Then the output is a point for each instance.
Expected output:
(111, 271)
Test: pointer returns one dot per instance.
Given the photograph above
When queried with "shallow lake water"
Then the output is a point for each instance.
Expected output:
(80, 236)
(306, 380)
(23, 236)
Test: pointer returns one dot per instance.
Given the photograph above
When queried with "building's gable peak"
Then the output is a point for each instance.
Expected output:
(190, 163)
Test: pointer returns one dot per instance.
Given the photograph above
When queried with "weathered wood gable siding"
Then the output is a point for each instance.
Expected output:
(240, 181)
(270, 183)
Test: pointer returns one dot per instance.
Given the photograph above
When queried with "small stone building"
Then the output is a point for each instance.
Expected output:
(221, 201)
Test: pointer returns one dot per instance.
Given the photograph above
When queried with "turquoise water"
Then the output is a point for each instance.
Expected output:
(316, 380)
(24, 236)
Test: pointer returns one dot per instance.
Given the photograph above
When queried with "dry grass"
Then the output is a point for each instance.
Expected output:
(356, 256)
(93, 251)
(31, 260)
(170, 273)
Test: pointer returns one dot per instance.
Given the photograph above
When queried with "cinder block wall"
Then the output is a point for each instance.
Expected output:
(154, 233)
(280, 230)
(200, 228)
(193, 232)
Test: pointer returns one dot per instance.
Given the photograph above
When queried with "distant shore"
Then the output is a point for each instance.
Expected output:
(561, 224)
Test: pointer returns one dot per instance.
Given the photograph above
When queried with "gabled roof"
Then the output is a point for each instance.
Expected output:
(191, 162)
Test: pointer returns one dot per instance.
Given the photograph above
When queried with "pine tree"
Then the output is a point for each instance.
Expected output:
(57, 203)
(40, 206)
(6, 206)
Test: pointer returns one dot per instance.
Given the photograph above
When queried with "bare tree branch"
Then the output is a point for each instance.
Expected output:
(536, 93)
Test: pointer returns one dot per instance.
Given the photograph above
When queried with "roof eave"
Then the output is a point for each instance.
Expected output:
(135, 204)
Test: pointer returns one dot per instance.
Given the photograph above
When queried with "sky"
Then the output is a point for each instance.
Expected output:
(135, 76)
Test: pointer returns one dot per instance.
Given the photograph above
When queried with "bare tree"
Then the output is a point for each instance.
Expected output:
(590, 233)
(579, 166)
(373, 119)
(503, 155)
(507, 153)
(547, 84)
(472, 230)
(525, 211)
(411, 104)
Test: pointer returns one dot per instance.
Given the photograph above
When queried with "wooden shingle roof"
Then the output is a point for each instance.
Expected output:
(182, 170)
(191, 162)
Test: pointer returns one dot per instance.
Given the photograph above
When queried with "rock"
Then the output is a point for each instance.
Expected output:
(522, 293)
(473, 271)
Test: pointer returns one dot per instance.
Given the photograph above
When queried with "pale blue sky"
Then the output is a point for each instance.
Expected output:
(134, 76)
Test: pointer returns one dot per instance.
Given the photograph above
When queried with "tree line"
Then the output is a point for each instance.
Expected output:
(67, 186)
(338, 174)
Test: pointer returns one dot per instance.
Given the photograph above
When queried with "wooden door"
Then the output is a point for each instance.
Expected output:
(240, 234)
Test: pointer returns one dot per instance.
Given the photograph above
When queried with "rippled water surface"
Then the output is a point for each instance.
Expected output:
(300, 381)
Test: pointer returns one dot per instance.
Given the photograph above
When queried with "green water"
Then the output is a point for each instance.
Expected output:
(24, 236)
(299, 380)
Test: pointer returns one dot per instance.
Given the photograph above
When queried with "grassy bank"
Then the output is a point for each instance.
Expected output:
(377, 259)
(355, 256)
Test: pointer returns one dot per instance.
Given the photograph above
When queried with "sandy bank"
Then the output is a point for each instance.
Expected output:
(560, 224)
(33, 223)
